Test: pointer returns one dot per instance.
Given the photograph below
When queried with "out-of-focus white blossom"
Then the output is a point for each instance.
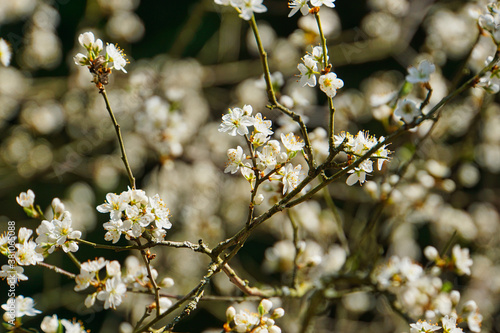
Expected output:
(245, 321)
(462, 260)
(423, 326)
(50, 324)
(407, 110)
(422, 73)
(5, 52)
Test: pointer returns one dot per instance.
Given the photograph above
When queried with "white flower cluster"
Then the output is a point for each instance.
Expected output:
(51, 234)
(490, 81)
(357, 146)
(58, 232)
(26, 253)
(162, 126)
(50, 324)
(460, 259)
(99, 65)
(271, 161)
(421, 294)
(406, 109)
(114, 56)
(296, 5)
(260, 322)
(490, 21)
(449, 326)
(132, 213)
(246, 8)
(328, 82)
(111, 288)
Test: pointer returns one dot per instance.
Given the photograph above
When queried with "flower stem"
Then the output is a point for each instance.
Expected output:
(57, 270)
(154, 285)
(271, 95)
(73, 258)
(331, 124)
(120, 139)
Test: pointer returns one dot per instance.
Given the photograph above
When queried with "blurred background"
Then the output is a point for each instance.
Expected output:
(189, 62)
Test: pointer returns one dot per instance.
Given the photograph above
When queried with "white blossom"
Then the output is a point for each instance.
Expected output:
(50, 324)
(236, 158)
(329, 84)
(112, 295)
(328, 3)
(308, 69)
(292, 176)
(117, 57)
(26, 199)
(296, 5)
(24, 306)
(5, 52)
(13, 274)
(235, 122)
(462, 260)
(421, 73)
(291, 142)
(407, 111)
(248, 7)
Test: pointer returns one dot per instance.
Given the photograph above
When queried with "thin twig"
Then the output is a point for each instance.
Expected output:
(295, 229)
(272, 96)
(57, 269)
(120, 139)
(154, 285)
(331, 108)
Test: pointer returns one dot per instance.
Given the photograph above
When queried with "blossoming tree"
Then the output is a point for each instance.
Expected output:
(361, 231)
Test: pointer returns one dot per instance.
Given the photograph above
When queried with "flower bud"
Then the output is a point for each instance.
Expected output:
(90, 300)
(274, 329)
(278, 313)
(455, 297)
(470, 306)
(230, 313)
(167, 282)
(431, 253)
(372, 189)
(265, 306)
(86, 39)
(269, 322)
(165, 303)
(259, 199)
(282, 158)
(113, 268)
